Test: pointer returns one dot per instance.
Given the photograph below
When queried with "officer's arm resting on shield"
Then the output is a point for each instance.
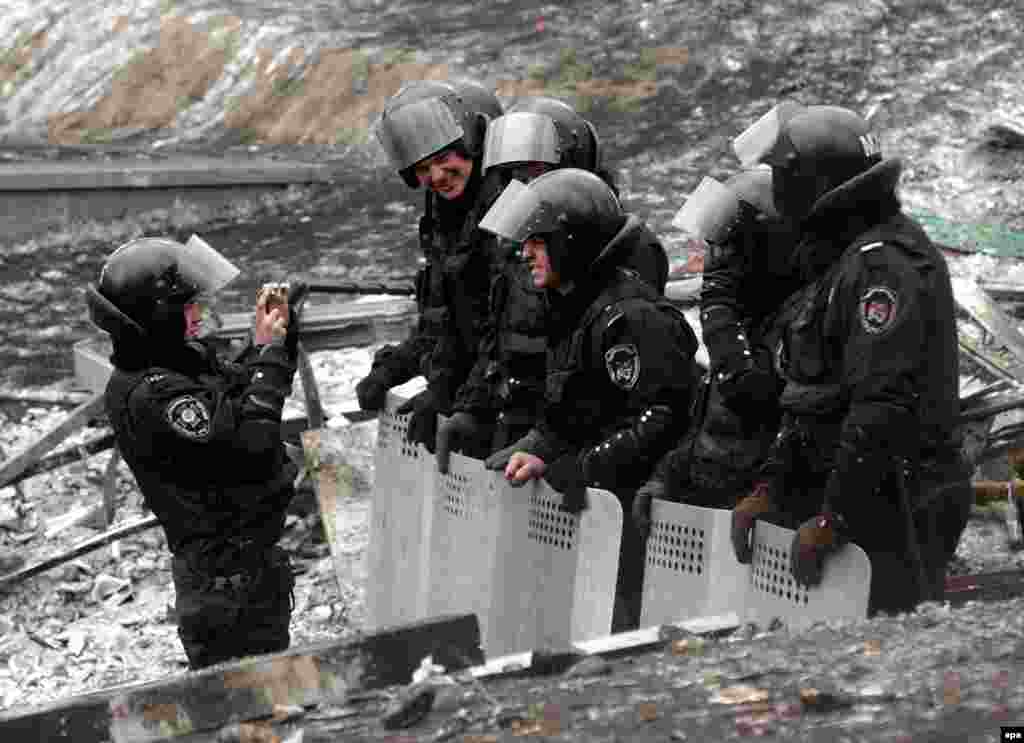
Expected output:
(471, 426)
(241, 423)
(876, 314)
(528, 458)
(648, 354)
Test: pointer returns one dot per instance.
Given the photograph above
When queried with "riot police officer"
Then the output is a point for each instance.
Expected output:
(747, 277)
(501, 400)
(868, 450)
(433, 133)
(203, 440)
(620, 364)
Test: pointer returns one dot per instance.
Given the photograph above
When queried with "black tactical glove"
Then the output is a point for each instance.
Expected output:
(759, 504)
(566, 476)
(815, 540)
(372, 390)
(461, 432)
(425, 407)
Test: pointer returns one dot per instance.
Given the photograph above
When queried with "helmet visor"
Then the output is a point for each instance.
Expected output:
(417, 130)
(754, 186)
(517, 214)
(205, 268)
(765, 140)
(598, 158)
(521, 137)
(709, 212)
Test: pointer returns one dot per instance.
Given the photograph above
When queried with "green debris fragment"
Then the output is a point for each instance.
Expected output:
(987, 239)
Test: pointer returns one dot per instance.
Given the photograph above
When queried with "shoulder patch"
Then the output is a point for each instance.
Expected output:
(623, 364)
(154, 377)
(878, 309)
(189, 417)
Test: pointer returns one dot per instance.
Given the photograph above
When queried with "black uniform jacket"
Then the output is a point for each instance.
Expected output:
(871, 358)
(510, 368)
(620, 374)
(203, 439)
(452, 293)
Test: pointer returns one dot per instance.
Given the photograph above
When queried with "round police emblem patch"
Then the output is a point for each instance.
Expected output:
(878, 309)
(189, 417)
(623, 364)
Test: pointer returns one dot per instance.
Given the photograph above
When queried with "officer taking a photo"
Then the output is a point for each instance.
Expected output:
(203, 439)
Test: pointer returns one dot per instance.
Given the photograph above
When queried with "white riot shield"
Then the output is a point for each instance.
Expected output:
(772, 592)
(556, 572)
(691, 571)
(398, 554)
(466, 524)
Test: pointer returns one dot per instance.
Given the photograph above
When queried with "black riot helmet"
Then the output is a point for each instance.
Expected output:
(427, 116)
(812, 150)
(478, 97)
(145, 284)
(573, 210)
(545, 130)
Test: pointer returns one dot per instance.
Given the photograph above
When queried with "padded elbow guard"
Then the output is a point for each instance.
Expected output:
(726, 340)
(624, 459)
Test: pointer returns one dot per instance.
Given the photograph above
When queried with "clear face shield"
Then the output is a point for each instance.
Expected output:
(517, 214)
(710, 212)
(209, 271)
(765, 141)
(204, 267)
(417, 130)
(521, 137)
(598, 158)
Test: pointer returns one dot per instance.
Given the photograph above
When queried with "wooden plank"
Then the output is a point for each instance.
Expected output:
(994, 363)
(110, 488)
(184, 706)
(75, 517)
(65, 456)
(336, 325)
(323, 327)
(1004, 291)
(31, 453)
(314, 409)
(333, 479)
(82, 548)
(983, 309)
(192, 172)
(44, 397)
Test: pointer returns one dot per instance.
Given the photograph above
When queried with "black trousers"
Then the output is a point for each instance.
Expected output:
(222, 617)
(941, 503)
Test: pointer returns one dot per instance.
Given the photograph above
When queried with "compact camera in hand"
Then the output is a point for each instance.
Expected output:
(276, 294)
